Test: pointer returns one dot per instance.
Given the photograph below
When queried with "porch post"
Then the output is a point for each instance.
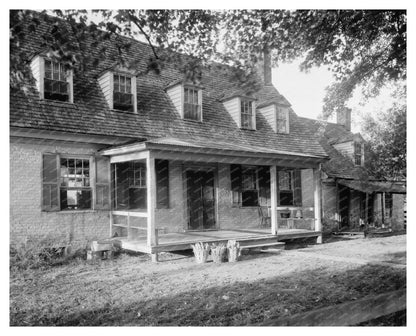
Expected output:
(273, 199)
(317, 202)
(151, 204)
(366, 210)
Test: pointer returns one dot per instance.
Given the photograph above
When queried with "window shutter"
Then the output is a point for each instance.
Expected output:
(50, 182)
(102, 185)
(264, 185)
(298, 187)
(236, 181)
(162, 184)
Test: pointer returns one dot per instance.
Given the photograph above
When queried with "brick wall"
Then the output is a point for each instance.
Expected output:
(27, 221)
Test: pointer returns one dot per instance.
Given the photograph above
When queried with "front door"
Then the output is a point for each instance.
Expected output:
(200, 199)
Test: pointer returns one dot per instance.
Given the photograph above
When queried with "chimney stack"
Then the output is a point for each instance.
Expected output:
(344, 117)
(267, 68)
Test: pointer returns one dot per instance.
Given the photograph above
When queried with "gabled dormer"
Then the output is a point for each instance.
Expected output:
(352, 146)
(277, 115)
(242, 109)
(187, 99)
(119, 88)
(53, 81)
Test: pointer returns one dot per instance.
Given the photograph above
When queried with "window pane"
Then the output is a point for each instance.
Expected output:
(128, 85)
(75, 199)
(116, 83)
(122, 84)
(285, 180)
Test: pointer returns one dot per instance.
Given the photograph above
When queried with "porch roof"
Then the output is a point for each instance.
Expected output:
(201, 145)
(375, 186)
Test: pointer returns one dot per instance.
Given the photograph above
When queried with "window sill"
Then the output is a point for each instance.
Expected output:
(73, 211)
(122, 111)
(193, 120)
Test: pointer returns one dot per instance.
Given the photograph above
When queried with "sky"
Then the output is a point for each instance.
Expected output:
(305, 91)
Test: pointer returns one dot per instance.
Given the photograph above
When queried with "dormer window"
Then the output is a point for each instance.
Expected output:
(187, 99)
(53, 81)
(56, 86)
(247, 115)
(191, 104)
(122, 93)
(358, 154)
(282, 119)
(119, 89)
(242, 109)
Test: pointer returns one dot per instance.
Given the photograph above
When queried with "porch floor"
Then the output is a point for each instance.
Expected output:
(182, 241)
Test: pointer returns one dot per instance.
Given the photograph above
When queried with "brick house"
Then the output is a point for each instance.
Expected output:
(157, 161)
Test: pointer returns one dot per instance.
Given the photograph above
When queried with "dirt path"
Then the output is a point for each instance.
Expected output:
(131, 290)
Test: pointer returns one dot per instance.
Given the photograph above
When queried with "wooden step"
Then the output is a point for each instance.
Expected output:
(257, 240)
(276, 245)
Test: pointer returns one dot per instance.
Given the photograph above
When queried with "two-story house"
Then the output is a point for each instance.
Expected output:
(156, 160)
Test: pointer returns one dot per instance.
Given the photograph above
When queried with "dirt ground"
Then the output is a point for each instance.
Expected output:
(131, 290)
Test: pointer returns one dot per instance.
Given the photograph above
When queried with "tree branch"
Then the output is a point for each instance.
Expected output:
(133, 19)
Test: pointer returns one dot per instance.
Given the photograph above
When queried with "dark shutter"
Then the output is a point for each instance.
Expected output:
(297, 176)
(162, 184)
(236, 181)
(264, 185)
(102, 185)
(50, 182)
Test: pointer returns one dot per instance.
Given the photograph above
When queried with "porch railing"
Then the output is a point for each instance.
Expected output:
(290, 217)
(130, 224)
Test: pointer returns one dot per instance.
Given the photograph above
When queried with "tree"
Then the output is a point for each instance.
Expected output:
(386, 135)
(360, 46)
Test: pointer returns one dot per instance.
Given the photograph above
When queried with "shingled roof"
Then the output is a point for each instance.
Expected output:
(338, 166)
(156, 116)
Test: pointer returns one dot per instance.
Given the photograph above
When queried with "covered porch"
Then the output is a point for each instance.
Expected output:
(168, 194)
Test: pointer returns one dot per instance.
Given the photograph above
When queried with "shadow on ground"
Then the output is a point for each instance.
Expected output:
(237, 304)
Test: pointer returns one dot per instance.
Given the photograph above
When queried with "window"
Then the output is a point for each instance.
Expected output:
(249, 188)
(358, 154)
(247, 114)
(67, 183)
(192, 104)
(56, 85)
(289, 187)
(286, 187)
(75, 187)
(282, 120)
(137, 175)
(129, 187)
(122, 93)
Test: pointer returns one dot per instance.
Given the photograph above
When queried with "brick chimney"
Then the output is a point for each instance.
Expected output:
(264, 67)
(267, 68)
(344, 117)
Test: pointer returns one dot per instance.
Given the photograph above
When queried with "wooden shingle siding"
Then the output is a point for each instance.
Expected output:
(233, 108)
(106, 84)
(269, 113)
(346, 148)
(37, 72)
(175, 94)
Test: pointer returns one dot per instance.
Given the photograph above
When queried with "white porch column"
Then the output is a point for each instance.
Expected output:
(151, 203)
(317, 202)
(273, 199)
